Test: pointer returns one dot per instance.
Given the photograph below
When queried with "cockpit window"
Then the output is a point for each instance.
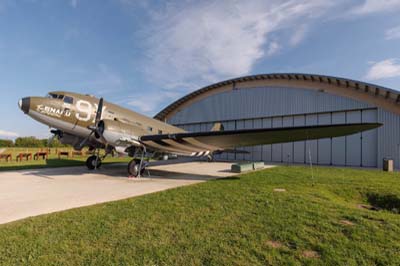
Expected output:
(55, 96)
(68, 99)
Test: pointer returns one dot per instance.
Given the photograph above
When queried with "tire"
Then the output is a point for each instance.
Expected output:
(133, 168)
(91, 162)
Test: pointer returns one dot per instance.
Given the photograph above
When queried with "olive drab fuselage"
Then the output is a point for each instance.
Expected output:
(74, 113)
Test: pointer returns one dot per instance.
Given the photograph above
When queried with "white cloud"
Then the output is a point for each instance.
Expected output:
(8, 134)
(203, 42)
(298, 35)
(393, 33)
(388, 68)
(149, 103)
(375, 6)
(273, 48)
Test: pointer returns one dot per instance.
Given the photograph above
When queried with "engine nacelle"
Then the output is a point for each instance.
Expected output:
(68, 139)
(118, 134)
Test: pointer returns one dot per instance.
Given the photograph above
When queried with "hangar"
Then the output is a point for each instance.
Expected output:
(285, 100)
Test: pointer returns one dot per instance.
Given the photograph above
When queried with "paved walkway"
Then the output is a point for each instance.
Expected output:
(33, 192)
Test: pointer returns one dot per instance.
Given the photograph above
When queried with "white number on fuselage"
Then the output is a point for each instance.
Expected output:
(96, 106)
(84, 110)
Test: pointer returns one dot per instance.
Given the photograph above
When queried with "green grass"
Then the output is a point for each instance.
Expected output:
(52, 162)
(225, 222)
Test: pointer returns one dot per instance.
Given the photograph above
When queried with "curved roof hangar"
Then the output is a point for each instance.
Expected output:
(382, 97)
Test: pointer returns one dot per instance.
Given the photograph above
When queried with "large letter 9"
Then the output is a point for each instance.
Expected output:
(84, 110)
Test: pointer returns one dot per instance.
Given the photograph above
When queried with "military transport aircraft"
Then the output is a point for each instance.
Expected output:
(84, 120)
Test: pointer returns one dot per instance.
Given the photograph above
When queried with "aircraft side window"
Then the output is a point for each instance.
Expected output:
(52, 96)
(60, 97)
(160, 132)
(68, 99)
(150, 129)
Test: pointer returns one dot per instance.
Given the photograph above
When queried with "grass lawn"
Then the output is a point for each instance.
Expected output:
(233, 221)
(53, 160)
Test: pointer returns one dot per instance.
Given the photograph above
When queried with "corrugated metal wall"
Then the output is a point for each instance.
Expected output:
(283, 107)
(262, 102)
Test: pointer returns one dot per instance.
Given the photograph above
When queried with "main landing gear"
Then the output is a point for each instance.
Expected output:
(136, 167)
(93, 162)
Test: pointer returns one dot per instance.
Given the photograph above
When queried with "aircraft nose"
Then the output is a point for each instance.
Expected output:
(24, 104)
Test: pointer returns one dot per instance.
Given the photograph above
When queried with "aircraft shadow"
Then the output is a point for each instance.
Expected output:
(119, 170)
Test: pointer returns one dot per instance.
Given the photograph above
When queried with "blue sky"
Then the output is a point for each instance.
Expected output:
(145, 54)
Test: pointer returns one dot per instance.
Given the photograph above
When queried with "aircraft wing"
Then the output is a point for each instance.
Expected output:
(195, 142)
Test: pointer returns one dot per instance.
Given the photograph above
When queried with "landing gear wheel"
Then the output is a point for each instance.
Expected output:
(133, 168)
(91, 162)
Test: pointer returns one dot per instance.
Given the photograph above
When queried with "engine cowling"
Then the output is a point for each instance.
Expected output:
(119, 134)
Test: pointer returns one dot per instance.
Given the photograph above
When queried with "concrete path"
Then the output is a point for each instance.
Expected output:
(34, 192)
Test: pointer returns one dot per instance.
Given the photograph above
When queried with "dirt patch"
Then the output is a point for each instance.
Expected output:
(279, 190)
(310, 254)
(346, 222)
(274, 244)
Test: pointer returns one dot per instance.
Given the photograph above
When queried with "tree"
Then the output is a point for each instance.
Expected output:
(28, 142)
(55, 143)
(33, 142)
(6, 143)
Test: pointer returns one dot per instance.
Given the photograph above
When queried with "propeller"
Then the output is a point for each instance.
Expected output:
(97, 129)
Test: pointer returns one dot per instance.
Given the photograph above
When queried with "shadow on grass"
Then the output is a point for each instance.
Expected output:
(388, 202)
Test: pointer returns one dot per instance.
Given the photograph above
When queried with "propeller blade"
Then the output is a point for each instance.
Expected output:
(50, 140)
(99, 111)
(86, 139)
(95, 129)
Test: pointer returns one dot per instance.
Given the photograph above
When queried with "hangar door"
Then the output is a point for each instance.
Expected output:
(355, 150)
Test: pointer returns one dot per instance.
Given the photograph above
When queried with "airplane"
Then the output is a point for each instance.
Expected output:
(86, 121)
